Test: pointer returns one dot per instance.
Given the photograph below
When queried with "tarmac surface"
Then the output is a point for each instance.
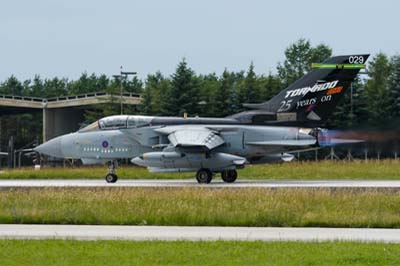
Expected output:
(193, 183)
(196, 233)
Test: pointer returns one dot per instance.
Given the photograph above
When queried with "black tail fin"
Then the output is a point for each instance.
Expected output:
(313, 97)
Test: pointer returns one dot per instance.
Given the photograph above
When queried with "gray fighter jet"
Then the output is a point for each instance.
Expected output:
(289, 122)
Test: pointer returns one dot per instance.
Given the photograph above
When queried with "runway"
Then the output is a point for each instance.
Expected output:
(4, 184)
(196, 233)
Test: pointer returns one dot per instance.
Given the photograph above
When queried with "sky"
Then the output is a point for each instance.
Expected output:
(65, 38)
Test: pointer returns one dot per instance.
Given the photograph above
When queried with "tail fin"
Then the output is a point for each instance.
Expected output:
(313, 97)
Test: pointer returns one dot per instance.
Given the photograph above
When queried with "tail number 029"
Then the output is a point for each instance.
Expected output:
(356, 59)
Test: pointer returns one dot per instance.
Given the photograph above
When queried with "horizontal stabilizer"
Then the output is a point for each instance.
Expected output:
(260, 106)
(301, 142)
(337, 66)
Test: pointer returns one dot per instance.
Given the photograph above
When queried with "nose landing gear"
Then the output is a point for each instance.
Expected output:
(111, 177)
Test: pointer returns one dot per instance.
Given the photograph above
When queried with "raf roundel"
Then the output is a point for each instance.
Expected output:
(105, 144)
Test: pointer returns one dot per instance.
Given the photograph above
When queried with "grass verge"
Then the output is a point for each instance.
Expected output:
(203, 206)
(310, 170)
(57, 252)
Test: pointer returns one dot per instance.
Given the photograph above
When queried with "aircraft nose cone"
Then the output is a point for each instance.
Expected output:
(51, 148)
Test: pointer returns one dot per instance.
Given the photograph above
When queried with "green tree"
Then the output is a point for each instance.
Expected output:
(12, 86)
(223, 95)
(319, 53)
(208, 87)
(36, 89)
(249, 91)
(154, 95)
(352, 109)
(234, 99)
(394, 88)
(183, 95)
(359, 114)
(159, 101)
(298, 59)
(102, 82)
(377, 89)
(134, 85)
(147, 104)
(84, 84)
(55, 87)
(270, 86)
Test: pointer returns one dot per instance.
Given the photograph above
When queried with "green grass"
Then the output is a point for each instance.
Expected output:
(75, 253)
(310, 170)
(203, 206)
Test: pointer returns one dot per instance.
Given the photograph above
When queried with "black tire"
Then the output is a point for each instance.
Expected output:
(229, 176)
(111, 178)
(204, 176)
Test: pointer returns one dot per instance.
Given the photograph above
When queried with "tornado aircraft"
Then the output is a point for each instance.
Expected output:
(268, 132)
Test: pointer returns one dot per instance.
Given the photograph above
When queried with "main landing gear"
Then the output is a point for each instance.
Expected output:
(204, 176)
(111, 177)
(229, 176)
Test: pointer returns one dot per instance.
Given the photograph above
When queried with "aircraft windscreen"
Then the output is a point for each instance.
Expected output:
(92, 127)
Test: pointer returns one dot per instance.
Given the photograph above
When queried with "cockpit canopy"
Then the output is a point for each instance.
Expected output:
(113, 122)
(119, 122)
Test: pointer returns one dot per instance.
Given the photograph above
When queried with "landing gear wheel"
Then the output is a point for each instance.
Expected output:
(111, 178)
(204, 176)
(229, 176)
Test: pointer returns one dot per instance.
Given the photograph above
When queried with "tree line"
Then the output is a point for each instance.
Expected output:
(374, 101)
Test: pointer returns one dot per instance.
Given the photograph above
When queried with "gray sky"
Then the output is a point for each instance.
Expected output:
(65, 38)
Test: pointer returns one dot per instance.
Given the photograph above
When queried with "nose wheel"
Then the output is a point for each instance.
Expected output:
(111, 177)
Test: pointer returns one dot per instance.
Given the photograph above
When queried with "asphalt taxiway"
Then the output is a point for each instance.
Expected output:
(39, 183)
(196, 233)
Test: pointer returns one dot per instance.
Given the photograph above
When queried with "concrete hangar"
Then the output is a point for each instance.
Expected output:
(61, 115)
